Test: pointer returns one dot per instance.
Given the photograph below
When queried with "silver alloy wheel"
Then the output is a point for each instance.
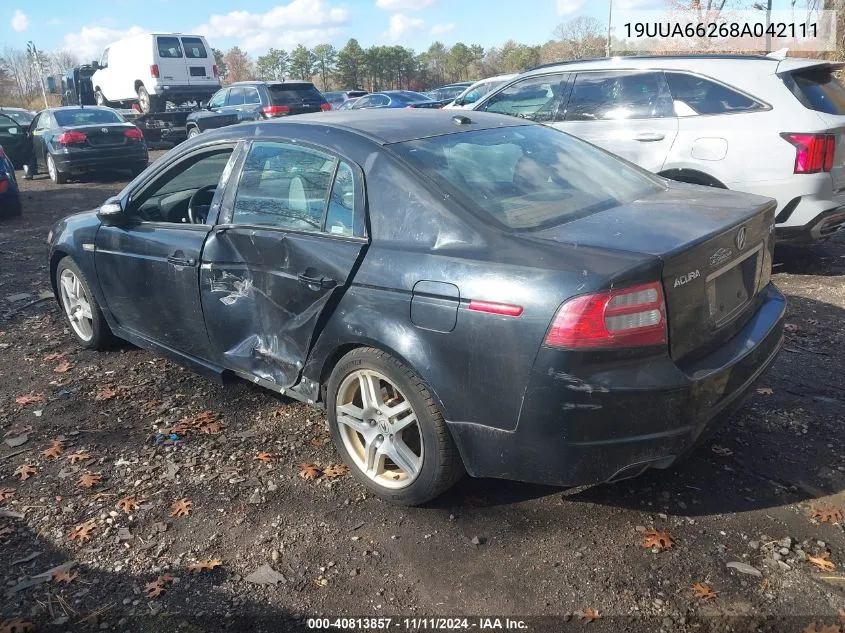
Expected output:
(51, 169)
(379, 429)
(144, 100)
(194, 132)
(76, 304)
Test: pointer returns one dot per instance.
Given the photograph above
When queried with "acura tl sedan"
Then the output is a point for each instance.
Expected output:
(460, 292)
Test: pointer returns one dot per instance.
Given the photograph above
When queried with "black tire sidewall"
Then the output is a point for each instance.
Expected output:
(426, 486)
(102, 336)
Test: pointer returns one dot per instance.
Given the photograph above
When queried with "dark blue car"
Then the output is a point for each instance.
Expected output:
(395, 99)
(10, 200)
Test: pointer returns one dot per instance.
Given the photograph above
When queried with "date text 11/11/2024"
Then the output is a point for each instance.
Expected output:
(418, 624)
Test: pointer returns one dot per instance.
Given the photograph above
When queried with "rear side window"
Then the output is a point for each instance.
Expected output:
(236, 97)
(281, 94)
(618, 95)
(341, 214)
(703, 96)
(194, 48)
(169, 47)
(817, 89)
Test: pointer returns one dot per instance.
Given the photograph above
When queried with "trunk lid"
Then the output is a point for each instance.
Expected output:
(103, 135)
(716, 248)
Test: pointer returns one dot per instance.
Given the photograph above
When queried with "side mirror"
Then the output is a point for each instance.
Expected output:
(111, 212)
(95, 65)
(459, 102)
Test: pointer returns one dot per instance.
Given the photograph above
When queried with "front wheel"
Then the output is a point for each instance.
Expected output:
(55, 175)
(389, 430)
(84, 316)
(193, 132)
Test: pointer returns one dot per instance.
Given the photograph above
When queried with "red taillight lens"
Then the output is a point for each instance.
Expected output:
(275, 110)
(505, 309)
(154, 71)
(133, 132)
(69, 138)
(325, 107)
(4, 185)
(813, 152)
(630, 317)
(214, 70)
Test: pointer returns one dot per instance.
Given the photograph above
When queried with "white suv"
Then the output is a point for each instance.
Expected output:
(155, 68)
(763, 125)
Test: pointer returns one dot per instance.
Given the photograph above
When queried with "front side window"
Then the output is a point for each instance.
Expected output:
(194, 48)
(534, 98)
(284, 186)
(218, 100)
(619, 95)
(527, 177)
(697, 95)
(169, 47)
(86, 116)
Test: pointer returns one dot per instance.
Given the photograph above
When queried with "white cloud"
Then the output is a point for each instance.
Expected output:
(570, 7)
(285, 25)
(638, 4)
(19, 21)
(400, 25)
(440, 29)
(404, 5)
(89, 42)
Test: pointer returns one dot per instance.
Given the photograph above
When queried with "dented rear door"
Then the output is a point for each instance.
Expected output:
(290, 238)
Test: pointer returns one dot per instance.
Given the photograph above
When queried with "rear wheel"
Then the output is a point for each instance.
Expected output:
(55, 175)
(147, 102)
(84, 316)
(389, 430)
(100, 99)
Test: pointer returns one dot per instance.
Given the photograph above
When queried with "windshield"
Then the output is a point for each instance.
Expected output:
(817, 89)
(86, 116)
(406, 96)
(20, 116)
(528, 177)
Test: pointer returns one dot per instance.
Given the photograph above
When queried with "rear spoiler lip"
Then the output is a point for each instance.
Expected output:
(794, 65)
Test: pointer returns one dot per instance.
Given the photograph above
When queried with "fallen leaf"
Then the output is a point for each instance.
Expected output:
(765, 391)
(156, 587)
(831, 628)
(333, 472)
(81, 456)
(128, 505)
(212, 428)
(64, 576)
(721, 451)
(821, 561)
(309, 471)
(181, 508)
(6, 493)
(5, 534)
(264, 457)
(827, 514)
(660, 540)
(704, 592)
(33, 398)
(590, 615)
(317, 441)
(82, 532)
(106, 393)
(24, 471)
(18, 625)
(55, 449)
(211, 563)
(49, 358)
(62, 368)
(88, 480)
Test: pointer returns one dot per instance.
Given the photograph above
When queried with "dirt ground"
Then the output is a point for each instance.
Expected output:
(488, 548)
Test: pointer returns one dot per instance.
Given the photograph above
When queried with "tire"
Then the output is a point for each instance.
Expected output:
(434, 462)
(193, 132)
(147, 102)
(97, 334)
(56, 176)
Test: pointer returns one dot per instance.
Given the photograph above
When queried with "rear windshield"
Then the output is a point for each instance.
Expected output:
(281, 94)
(194, 48)
(406, 96)
(169, 47)
(528, 177)
(86, 116)
(817, 89)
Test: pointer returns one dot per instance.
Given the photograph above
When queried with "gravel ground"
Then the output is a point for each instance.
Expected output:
(739, 512)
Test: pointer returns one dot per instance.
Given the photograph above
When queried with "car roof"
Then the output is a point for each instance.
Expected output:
(78, 107)
(292, 82)
(389, 126)
(5, 109)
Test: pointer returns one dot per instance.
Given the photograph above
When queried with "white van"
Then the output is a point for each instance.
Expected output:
(155, 68)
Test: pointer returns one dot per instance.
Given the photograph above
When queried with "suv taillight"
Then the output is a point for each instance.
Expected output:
(69, 138)
(214, 70)
(275, 110)
(813, 152)
(627, 317)
(325, 107)
(154, 71)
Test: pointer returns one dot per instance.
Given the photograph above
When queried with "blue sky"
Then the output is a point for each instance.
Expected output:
(255, 25)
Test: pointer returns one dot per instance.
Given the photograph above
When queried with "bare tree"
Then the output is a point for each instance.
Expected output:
(62, 60)
(582, 37)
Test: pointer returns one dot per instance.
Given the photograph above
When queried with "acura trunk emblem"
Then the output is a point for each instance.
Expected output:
(741, 237)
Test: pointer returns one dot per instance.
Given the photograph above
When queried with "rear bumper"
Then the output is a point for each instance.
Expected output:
(183, 91)
(820, 227)
(85, 161)
(607, 422)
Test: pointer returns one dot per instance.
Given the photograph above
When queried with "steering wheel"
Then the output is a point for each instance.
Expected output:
(198, 214)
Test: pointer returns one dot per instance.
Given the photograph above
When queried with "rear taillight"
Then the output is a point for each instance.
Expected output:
(275, 110)
(325, 107)
(214, 70)
(4, 184)
(628, 317)
(154, 71)
(813, 152)
(70, 138)
(133, 132)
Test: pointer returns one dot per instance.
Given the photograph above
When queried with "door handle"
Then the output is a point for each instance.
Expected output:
(181, 261)
(649, 137)
(322, 282)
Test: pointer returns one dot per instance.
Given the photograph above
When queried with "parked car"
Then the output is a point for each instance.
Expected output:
(74, 140)
(448, 93)
(337, 99)
(13, 128)
(19, 115)
(763, 125)
(347, 105)
(77, 87)
(256, 100)
(372, 262)
(10, 199)
(394, 99)
(473, 93)
(155, 68)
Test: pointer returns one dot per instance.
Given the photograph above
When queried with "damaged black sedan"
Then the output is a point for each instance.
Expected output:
(475, 294)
